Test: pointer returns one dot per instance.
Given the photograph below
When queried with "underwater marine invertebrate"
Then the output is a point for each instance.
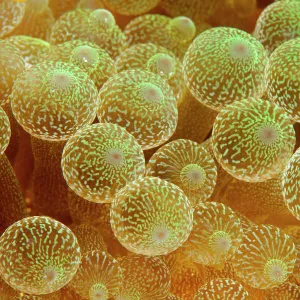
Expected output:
(101, 159)
(216, 235)
(98, 277)
(265, 258)
(278, 22)
(142, 103)
(253, 139)
(290, 183)
(223, 65)
(88, 56)
(156, 59)
(151, 216)
(174, 34)
(225, 289)
(38, 255)
(31, 48)
(51, 101)
(96, 26)
(188, 165)
(11, 65)
(283, 78)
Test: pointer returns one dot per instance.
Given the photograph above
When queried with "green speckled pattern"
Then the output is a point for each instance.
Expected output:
(286, 290)
(141, 102)
(151, 216)
(141, 56)
(11, 65)
(265, 247)
(101, 159)
(223, 65)
(52, 296)
(98, 275)
(283, 77)
(216, 234)
(11, 14)
(253, 139)
(53, 100)
(188, 165)
(291, 184)
(90, 57)
(225, 289)
(5, 131)
(279, 22)
(31, 48)
(36, 21)
(38, 255)
(80, 24)
(144, 278)
(182, 28)
(153, 28)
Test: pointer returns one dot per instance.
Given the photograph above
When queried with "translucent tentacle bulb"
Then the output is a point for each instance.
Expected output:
(88, 56)
(38, 255)
(151, 216)
(142, 103)
(279, 22)
(37, 20)
(286, 290)
(174, 34)
(188, 165)
(223, 65)
(101, 159)
(265, 258)
(144, 278)
(5, 131)
(32, 49)
(52, 100)
(156, 59)
(11, 15)
(95, 26)
(216, 235)
(283, 77)
(253, 139)
(225, 289)
(99, 276)
(211, 273)
(291, 184)
(11, 65)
